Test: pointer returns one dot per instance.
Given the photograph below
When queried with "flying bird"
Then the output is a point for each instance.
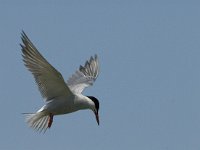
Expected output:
(60, 97)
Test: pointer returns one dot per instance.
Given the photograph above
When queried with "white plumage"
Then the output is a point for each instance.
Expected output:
(60, 97)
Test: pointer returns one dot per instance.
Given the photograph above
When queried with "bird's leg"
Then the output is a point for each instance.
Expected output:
(50, 120)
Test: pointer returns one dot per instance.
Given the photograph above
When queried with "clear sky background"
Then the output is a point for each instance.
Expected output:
(148, 87)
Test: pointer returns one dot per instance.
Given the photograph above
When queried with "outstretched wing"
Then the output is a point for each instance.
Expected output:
(85, 76)
(50, 82)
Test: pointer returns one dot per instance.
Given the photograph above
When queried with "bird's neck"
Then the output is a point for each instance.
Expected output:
(83, 102)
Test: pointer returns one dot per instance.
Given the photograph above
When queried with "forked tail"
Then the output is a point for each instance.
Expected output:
(39, 121)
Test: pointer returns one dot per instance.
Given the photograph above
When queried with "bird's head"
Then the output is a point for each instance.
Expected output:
(96, 107)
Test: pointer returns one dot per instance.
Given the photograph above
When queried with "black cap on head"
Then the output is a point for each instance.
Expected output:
(96, 102)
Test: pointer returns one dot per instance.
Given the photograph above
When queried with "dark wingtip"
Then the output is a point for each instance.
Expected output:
(23, 34)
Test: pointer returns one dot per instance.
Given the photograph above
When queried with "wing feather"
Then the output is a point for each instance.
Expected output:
(85, 76)
(50, 82)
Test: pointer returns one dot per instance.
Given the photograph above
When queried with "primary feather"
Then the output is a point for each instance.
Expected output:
(50, 82)
(85, 76)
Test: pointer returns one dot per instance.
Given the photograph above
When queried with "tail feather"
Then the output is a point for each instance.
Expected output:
(38, 121)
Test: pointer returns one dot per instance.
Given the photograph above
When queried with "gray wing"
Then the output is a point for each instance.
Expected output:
(50, 82)
(85, 76)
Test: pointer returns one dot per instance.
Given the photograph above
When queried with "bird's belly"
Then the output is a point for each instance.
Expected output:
(59, 106)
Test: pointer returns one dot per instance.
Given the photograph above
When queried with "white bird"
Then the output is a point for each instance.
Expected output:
(61, 97)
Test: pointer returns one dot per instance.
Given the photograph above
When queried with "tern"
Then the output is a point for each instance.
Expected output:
(60, 97)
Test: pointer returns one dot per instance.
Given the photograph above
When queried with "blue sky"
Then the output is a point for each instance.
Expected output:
(149, 85)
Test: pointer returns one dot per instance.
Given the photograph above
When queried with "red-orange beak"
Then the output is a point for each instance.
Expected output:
(97, 117)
